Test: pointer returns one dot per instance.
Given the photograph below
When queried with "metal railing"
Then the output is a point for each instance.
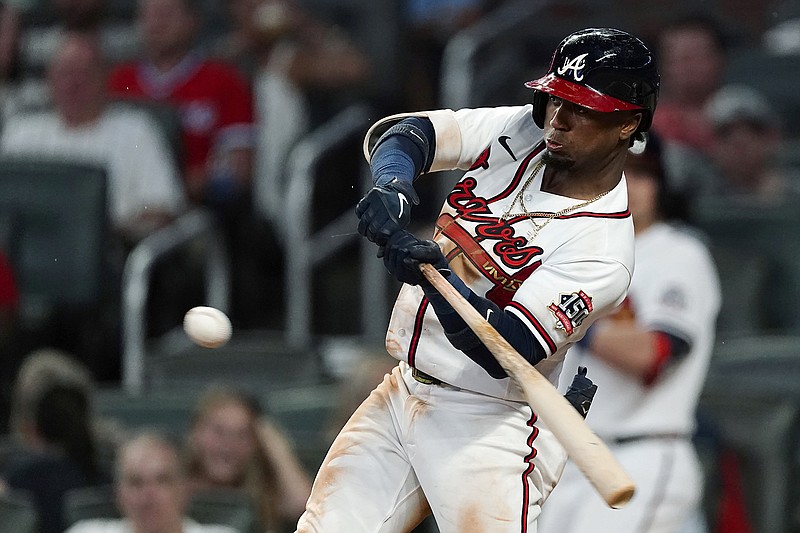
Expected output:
(308, 249)
(137, 274)
(460, 56)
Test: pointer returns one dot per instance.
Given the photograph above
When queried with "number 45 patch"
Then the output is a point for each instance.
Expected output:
(571, 310)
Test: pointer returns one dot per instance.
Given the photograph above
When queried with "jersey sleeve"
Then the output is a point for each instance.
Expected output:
(461, 135)
(687, 292)
(560, 301)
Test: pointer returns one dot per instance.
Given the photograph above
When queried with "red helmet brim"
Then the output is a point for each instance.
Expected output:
(580, 94)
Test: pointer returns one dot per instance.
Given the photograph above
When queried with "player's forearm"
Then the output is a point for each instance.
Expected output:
(404, 151)
(463, 338)
(627, 347)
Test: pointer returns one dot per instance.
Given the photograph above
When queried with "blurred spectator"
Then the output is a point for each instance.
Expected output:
(692, 61)
(214, 100)
(281, 34)
(46, 24)
(232, 445)
(40, 370)
(746, 148)
(215, 107)
(649, 362)
(51, 417)
(151, 490)
(144, 192)
(302, 71)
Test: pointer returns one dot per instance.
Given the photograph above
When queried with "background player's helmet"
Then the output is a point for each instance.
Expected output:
(602, 69)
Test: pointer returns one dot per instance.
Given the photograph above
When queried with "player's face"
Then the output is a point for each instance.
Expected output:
(578, 137)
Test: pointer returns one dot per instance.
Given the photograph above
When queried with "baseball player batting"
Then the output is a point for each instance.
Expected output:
(538, 237)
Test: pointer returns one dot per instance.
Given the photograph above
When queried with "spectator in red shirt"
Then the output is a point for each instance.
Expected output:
(215, 106)
(213, 98)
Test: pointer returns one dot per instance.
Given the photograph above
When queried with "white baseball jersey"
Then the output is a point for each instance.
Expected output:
(469, 450)
(576, 269)
(675, 289)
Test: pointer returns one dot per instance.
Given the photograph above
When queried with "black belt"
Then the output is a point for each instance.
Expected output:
(651, 436)
(422, 377)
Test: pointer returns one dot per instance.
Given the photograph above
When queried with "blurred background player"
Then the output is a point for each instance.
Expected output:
(649, 361)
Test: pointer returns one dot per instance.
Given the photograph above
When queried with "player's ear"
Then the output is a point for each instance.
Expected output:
(629, 125)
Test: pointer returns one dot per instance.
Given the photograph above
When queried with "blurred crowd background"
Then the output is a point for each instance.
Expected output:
(162, 154)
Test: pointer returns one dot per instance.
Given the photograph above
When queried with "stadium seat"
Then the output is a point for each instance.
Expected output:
(53, 214)
(53, 229)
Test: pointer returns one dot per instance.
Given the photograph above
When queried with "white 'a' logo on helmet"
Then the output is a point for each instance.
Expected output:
(575, 65)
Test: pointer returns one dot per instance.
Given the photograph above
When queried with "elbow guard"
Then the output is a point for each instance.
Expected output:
(420, 133)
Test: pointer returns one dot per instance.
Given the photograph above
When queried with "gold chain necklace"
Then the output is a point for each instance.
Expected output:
(520, 199)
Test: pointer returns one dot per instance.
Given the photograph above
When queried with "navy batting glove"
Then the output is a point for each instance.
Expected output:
(385, 210)
(581, 392)
(403, 254)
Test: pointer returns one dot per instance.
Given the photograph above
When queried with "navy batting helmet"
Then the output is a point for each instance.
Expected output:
(601, 69)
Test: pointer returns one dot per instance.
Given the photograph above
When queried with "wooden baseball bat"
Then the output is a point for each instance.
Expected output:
(584, 447)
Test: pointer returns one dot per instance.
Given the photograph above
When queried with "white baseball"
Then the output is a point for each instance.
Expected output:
(207, 326)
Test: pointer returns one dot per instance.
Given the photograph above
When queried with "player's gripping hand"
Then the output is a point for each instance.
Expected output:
(403, 254)
(581, 392)
(385, 210)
